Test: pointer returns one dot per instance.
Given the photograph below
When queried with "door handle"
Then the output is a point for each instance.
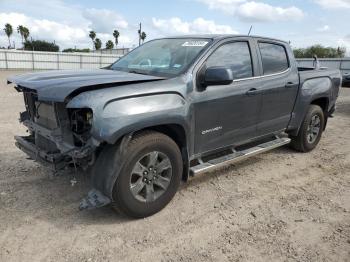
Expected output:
(252, 92)
(290, 84)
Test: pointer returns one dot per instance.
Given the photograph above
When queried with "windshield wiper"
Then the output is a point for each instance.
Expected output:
(137, 72)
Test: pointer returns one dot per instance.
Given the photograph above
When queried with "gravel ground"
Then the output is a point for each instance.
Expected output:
(279, 206)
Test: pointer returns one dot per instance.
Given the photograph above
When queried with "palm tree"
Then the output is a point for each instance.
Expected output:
(109, 44)
(97, 43)
(143, 37)
(8, 31)
(26, 34)
(92, 35)
(20, 30)
(116, 35)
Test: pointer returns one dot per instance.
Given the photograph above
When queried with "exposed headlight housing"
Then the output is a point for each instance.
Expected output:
(81, 120)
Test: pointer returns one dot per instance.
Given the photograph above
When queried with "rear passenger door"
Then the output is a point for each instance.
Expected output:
(279, 84)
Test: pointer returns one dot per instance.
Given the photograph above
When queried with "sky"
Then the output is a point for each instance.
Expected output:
(68, 22)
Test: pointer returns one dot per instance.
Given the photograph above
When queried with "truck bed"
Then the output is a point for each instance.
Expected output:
(306, 73)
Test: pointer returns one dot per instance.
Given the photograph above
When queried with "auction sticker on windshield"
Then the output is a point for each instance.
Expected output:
(195, 43)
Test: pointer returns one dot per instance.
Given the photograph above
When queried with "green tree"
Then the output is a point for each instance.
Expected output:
(92, 35)
(298, 52)
(20, 30)
(26, 33)
(72, 50)
(97, 44)
(341, 51)
(116, 35)
(109, 44)
(41, 45)
(143, 36)
(8, 31)
(320, 51)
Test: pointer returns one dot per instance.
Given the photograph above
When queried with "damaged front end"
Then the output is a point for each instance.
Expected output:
(67, 125)
(58, 137)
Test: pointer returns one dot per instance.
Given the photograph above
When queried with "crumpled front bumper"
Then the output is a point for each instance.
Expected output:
(64, 154)
(54, 161)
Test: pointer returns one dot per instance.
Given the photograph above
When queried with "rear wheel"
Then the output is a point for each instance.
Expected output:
(150, 175)
(310, 131)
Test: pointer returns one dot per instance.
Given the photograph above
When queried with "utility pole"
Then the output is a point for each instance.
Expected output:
(140, 34)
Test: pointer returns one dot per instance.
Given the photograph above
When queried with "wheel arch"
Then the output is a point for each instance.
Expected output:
(104, 181)
(323, 102)
(298, 116)
(177, 133)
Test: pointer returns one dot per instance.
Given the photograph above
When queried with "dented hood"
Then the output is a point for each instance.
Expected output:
(59, 85)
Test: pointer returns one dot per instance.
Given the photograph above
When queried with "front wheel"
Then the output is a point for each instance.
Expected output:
(310, 131)
(150, 175)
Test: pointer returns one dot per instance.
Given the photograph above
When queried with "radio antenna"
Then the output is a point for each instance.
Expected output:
(250, 29)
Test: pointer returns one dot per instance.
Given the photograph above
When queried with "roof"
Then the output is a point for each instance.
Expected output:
(223, 36)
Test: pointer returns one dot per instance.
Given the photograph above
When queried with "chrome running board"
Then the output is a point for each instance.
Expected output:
(238, 156)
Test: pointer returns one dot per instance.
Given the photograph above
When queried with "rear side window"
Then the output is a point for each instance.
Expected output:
(274, 58)
(234, 55)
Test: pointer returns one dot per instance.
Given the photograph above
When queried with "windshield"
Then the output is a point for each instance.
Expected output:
(163, 57)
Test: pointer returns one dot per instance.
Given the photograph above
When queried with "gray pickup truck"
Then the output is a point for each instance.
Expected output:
(173, 108)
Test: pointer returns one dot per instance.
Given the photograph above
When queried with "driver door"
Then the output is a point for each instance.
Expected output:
(228, 114)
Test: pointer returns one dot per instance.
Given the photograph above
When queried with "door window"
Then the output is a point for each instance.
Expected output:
(274, 58)
(235, 56)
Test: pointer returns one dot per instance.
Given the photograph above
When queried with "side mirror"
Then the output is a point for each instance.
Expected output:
(218, 76)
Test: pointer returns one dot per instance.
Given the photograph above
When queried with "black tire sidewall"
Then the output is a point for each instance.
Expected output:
(121, 192)
(313, 110)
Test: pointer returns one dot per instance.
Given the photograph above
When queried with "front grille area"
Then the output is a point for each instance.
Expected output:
(42, 113)
(45, 115)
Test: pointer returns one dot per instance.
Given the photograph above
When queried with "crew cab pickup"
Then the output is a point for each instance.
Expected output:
(173, 108)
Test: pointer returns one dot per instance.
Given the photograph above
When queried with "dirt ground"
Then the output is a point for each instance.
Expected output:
(278, 206)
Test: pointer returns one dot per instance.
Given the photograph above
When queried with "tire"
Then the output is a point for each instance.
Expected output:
(141, 156)
(303, 142)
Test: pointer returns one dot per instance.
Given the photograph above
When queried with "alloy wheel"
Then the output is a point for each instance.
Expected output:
(313, 129)
(150, 176)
